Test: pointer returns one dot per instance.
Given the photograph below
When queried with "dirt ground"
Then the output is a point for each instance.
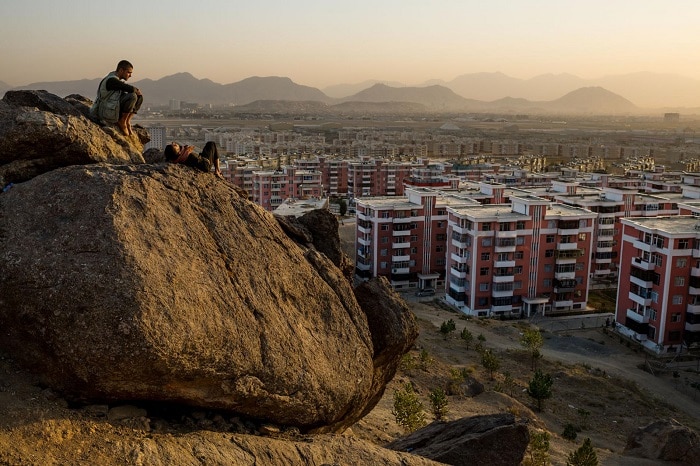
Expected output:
(592, 371)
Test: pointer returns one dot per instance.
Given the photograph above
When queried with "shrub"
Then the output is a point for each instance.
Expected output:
(569, 432)
(584, 456)
(539, 449)
(438, 403)
(540, 387)
(467, 336)
(447, 327)
(408, 409)
(490, 362)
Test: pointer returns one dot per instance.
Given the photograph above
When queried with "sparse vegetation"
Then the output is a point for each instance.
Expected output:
(570, 432)
(438, 403)
(466, 336)
(490, 362)
(540, 387)
(532, 341)
(447, 328)
(408, 409)
(585, 455)
(424, 359)
(538, 449)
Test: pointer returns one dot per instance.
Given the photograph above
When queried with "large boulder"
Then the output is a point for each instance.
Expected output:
(158, 282)
(40, 132)
(496, 440)
(665, 440)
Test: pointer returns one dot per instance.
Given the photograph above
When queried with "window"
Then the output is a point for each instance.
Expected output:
(385, 214)
(518, 269)
(549, 253)
(385, 227)
(582, 237)
(520, 225)
(676, 317)
(550, 239)
(486, 242)
(485, 227)
(655, 299)
(520, 240)
(439, 248)
(383, 252)
(483, 271)
(414, 238)
(504, 227)
(517, 285)
(441, 237)
(679, 281)
(547, 282)
(579, 266)
(547, 267)
(683, 243)
(677, 299)
(414, 250)
(483, 287)
(440, 261)
(440, 224)
(485, 256)
(518, 255)
(681, 262)
(385, 239)
(382, 265)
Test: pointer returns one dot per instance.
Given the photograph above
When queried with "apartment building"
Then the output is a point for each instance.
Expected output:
(658, 298)
(404, 238)
(519, 259)
(270, 188)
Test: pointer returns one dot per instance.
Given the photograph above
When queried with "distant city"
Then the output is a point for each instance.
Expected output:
(506, 216)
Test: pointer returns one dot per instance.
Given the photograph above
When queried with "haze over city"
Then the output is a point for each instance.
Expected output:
(321, 44)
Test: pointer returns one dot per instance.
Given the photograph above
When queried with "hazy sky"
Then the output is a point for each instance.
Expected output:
(323, 42)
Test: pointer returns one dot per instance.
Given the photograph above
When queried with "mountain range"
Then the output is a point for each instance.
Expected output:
(476, 92)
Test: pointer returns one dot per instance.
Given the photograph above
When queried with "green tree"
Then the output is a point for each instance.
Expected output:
(454, 385)
(570, 432)
(438, 403)
(342, 206)
(408, 409)
(540, 387)
(584, 415)
(467, 336)
(532, 341)
(490, 362)
(584, 456)
(539, 449)
(447, 327)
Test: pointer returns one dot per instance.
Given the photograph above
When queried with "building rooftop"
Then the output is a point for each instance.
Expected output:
(677, 224)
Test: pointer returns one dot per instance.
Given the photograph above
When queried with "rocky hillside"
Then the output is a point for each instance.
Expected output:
(128, 285)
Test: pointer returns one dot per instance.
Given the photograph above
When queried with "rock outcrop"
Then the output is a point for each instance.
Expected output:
(158, 282)
(496, 440)
(665, 440)
(40, 132)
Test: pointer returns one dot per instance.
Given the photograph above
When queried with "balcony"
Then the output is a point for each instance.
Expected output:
(459, 259)
(506, 264)
(567, 304)
(364, 241)
(566, 246)
(640, 299)
(401, 233)
(641, 282)
(642, 264)
(362, 266)
(692, 290)
(402, 220)
(458, 273)
(400, 258)
(692, 327)
(501, 309)
(642, 246)
(503, 278)
(502, 293)
(565, 275)
(696, 253)
(507, 234)
(695, 272)
(400, 270)
(694, 309)
(635, 316)
(396, 245)
(567, 231)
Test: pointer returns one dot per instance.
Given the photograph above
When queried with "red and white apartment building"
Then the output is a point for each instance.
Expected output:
(521, 258)
(527, 257)
(658, 298)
